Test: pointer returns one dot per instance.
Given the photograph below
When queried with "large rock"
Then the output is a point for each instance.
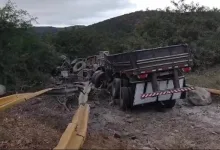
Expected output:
(199, 97)
(2, 89)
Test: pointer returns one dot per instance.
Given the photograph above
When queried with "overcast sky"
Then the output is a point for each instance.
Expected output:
(85, 12)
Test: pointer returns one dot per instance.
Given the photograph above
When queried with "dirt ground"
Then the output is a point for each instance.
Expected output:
(40, 122)
(35, 124)
(183, 127)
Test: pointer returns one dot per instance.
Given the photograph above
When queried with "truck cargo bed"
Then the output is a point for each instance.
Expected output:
(150, 60)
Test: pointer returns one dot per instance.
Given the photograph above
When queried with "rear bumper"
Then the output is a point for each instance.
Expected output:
(144, 91)
(159, 93)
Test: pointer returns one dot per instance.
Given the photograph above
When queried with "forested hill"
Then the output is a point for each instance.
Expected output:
(52, 30)
(193, 24)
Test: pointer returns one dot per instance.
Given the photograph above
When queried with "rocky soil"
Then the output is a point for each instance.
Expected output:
(39, 124)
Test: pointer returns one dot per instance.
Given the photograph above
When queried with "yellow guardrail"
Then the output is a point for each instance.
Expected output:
(9, 101)
(213, 91)
(75, 133)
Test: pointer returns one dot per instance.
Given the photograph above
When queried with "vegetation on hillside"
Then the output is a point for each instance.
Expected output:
(191, 23)
(27, 57)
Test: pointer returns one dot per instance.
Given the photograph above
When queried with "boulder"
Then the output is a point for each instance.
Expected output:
(199, 97)
(2, 89)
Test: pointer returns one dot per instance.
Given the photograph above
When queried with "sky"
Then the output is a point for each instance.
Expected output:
(61, 13)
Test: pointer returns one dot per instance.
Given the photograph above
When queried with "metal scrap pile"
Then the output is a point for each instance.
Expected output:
(80, 69)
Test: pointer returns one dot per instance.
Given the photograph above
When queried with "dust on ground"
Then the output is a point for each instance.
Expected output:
(183, 127)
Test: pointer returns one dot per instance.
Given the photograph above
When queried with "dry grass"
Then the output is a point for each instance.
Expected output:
(207, 78)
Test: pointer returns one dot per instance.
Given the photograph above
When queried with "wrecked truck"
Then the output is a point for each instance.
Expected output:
(146, 76)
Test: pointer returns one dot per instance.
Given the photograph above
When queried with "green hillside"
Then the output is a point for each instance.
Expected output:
(193, 24)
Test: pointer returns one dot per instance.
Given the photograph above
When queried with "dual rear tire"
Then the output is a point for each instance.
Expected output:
(126, 98)
(98, 78)
(167, 104)
(116, 87)
(123, 93)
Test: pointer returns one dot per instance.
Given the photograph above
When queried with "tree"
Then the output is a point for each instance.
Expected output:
(25, 59)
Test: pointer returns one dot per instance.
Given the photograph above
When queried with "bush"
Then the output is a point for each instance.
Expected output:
(25, 59)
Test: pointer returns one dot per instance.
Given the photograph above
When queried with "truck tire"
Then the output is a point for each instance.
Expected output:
(167, 104)
(94, 76)
(125, 100)
(116, 84)
(86, 74)
(183, 94)
(99, 79)
(79, 66)
(125, 83)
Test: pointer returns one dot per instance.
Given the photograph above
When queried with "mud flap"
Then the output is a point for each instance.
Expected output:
(183, 94)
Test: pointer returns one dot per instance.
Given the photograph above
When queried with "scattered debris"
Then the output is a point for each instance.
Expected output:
(117, 135)
(96, 102)
(147, 148)
(92, 106)
(128, 116)
(145, 133)
(126, 134)
(130, 120)
(133, 137)
(111, 103)
(137, 131)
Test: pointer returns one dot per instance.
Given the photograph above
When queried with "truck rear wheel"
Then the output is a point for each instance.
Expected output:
(116, 84)
(125, 100)
(99, 79)
(94, 76)
(125, 83)
(167, 104)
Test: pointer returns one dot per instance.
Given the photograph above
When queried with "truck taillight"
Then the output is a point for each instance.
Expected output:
(142, 76)
(187, 69)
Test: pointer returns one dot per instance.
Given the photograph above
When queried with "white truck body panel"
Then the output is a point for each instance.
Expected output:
(162, 85)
